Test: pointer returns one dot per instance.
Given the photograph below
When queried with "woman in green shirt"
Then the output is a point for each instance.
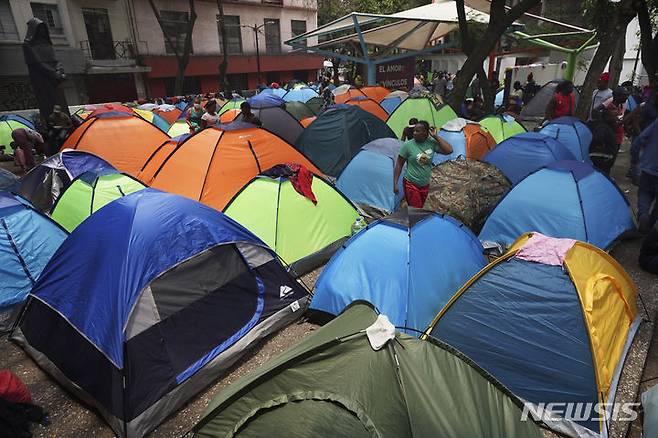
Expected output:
(418, 154)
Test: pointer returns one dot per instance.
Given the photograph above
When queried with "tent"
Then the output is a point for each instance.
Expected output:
(231, 104)
(366, 180)
(552, 320)
(572, 133)
(148, 301)
(279, 92)
(421, 108)
(564, 199)
(536, 108)
(525, 153)
(300, 95)
(315, 104)
(375, 92)
(502, 127)
(393, 100)
(302, 233)
(407, 265)
(466, 190)
(342, 95)
(168, 113)
(28, 240)
(229, 116)
(468, 139)
(43, 184)
(299, 110)
(125, 141)
(7, 124)
(8, 180)
(179, 127)
(338, 134)
(369, 105)
(211, 166)
(270, 111)
(153, 118)
(333, 383)
(307, 121)
(88, 193)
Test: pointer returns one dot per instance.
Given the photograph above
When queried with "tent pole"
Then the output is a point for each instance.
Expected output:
(372, 73)
(571, 66)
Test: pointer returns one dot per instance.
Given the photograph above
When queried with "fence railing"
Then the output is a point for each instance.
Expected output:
(114, 50)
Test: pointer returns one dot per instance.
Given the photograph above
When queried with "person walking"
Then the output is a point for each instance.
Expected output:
(603, 149)
(601, 94)
(563, 102)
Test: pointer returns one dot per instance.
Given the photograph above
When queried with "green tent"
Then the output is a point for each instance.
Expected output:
(7, 126)
(231, 104)
(315, 104)
(421, 108)
(334, 384)
(299, 110)
(179, 127)
(88, 193)
(303, 234)
(501, 127)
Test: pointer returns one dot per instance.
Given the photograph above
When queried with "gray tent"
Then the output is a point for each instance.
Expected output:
(536, 108)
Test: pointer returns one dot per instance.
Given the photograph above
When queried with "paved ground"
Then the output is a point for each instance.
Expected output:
(69, 418)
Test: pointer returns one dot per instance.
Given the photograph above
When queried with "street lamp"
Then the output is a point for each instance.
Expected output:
(256, 29)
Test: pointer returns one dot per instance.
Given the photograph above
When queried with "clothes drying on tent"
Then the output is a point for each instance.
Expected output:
(300, 95)
(27, 242)
(7, 125)
(125, 141)
(369, 105)
(304, 234)
(43, 184)
(422, 108)
(88, 193)
(468, 139)
(375, 92)
(536, 108)
(299, 110)
(8, 180)
(501, 127)
(179, 127)
(366, 180)
(212, 165)
(408, 265)
(338, 134)
(561, 313)
(466, 190)
(333, 383)
(572, 133)
(519, 156)
(564, 199)
(148, 301)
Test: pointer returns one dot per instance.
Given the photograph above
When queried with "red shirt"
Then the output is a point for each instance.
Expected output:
(564, 105)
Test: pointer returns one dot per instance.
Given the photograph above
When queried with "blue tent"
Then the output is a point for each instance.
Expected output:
(148, 300)
(572, 133)
(43, 184)
(265, 101)
(564, 199)
(8, 181)
(366, 180)
(407, 265)
(27, 242)
(300, 95)
(278, 92)
(390, 103)
(525, 153)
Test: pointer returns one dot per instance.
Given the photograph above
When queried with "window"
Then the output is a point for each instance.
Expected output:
(174, 23)
(233, 34)
(49, 14)
(272, 36)
(298, 27)
(7, 26)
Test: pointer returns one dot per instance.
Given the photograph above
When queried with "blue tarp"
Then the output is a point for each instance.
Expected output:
(565, 199)
(129, 242)
(572, 133)
(522, 154)
(300, 95)
(523, 323)
(419, 279)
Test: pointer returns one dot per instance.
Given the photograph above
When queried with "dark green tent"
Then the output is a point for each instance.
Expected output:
(299, 110)
(333, 384)
(315, 104)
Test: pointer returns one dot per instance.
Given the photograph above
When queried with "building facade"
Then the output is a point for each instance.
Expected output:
(116, 49)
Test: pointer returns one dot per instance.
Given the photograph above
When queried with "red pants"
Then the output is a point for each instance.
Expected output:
(415, 195)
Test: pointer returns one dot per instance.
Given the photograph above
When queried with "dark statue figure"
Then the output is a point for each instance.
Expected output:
(46, 73)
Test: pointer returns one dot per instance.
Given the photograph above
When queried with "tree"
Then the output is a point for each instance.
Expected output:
(223, 66)
(646, 9)
(477, 49)
(182, 53)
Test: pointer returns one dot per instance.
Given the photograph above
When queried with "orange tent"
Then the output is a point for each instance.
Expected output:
(229, 116)
(307, 121)
(212, 165)
(124, 140)
(110, 108)
(478, 141)
(371, 106)
(351, 93)
(169, 116)
(375, 93)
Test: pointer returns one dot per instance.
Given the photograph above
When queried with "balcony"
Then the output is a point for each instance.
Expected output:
(113, 57)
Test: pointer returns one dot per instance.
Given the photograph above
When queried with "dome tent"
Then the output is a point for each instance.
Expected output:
(408, 388)
(468, 140)
(346, 92)
(88, 193)
(299, 110)
(8, 180)
(564, 314)
(28, 241)
(565, 199)
(407, 265)
(7, 125)
(466, 190)
(572, 133)
(119, 328)
(369, 105)
(422, 108)
(270, 111)
(153, 119)
(300, 95)
(502, 127)
(375, 92)
(43, 184)
(229, 105)
(179, 127)
(212, 165)
(393, 100)
(338, 134)
(536, 108)
(522, 154)
(302, 233)
(315, 104)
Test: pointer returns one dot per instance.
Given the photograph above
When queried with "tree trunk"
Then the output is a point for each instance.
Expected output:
(488, 93)
(223, 66)
(617, 62)
(649, 44)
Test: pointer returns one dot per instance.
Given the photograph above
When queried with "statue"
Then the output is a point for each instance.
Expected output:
(46, 73)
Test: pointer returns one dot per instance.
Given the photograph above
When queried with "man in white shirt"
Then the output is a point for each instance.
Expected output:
(601, 94)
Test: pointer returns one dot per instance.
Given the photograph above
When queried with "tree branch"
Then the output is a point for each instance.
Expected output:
(162, 28)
